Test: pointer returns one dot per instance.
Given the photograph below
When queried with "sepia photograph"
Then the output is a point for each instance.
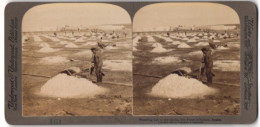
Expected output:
(186, 60)
(76, 60)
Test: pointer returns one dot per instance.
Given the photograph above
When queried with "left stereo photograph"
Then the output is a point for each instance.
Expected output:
(76, 60)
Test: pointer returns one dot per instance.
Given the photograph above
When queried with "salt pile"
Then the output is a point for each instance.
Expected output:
(63, 42)
(118, 65)
(86, 53)
(71, 45)
(176, 42)
(159, 48)
(150, 39)
(192, 40)
(64, 86)
(216, 41)
(37, 38)
(183, 45)
(80, 40)
(196, 53)
(166, 60)
(54, 60)
(174, 86)
(166, 39)
(91, 43)
(227, 65)
(185, 39)
(202, 44)
(72, 39)
(46, 48)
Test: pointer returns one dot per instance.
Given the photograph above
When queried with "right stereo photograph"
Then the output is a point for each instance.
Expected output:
(186, 60)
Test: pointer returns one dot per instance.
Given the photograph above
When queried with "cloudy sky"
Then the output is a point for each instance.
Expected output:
(186, 14)
(52, 15)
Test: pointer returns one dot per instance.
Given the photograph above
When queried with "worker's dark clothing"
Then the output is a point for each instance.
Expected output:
(98, 63)
(208, 62)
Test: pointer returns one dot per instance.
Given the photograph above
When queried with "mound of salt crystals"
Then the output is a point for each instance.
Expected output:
(159, 48)
(71, 45)
(202, 44)
(64, 86)
(174, 86)
(216, 41)
(227, 65)
(46, 48)
(183, 45)
(91, 43)
(150, 39)
(185, 39)
(166, 39)
(86, 53)
(192, 40)
(54, 60)
(80, 40)
(166, 60)
(196, 53)
(176, 42)
(118, 65)
(63, 42)
(37, 38)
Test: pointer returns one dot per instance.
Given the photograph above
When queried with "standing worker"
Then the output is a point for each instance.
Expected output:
(208, 64)
(98, 63)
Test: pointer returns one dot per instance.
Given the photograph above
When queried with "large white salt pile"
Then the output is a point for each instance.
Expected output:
(71, 45)
(183, 45)
(227, 65)
(118, 65)
(175, 86)
(150, 39)
(202, 44)
(64, 86)
(54, 60)
(166, 60)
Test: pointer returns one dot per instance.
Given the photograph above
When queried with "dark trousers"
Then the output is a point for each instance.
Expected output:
(209, 75)
(98, 74)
